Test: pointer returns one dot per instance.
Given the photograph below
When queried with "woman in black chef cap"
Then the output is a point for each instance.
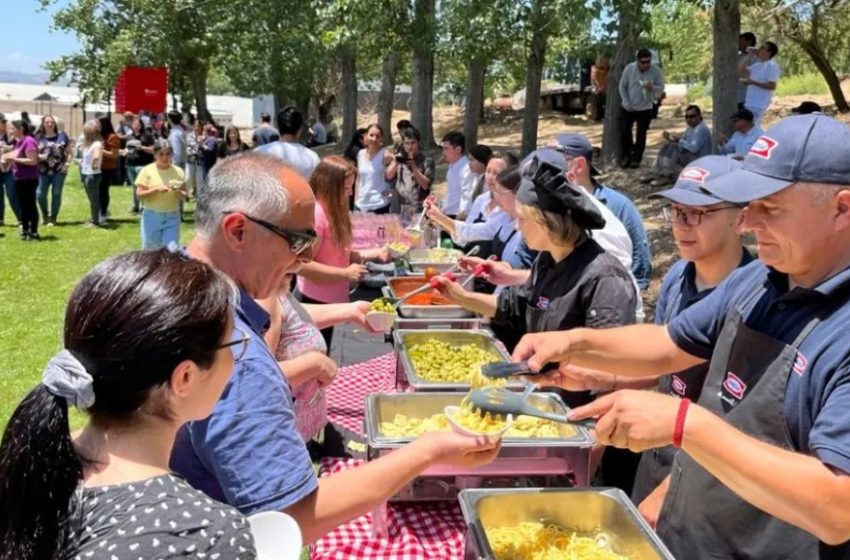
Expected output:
(573, 281)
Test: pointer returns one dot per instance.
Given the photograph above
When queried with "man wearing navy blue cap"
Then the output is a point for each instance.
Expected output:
(706, 232)
(579, 154)
(766, 450)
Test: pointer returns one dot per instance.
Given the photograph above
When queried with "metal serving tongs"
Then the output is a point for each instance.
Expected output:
(497, 400)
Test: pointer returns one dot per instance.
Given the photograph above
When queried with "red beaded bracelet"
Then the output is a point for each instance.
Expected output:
(679, 431)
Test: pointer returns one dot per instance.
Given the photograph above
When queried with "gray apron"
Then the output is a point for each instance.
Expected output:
(655, 464)
(703, 519)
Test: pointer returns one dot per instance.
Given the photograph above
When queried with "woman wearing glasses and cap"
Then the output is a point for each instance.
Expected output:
(149, 345)
(573, 281)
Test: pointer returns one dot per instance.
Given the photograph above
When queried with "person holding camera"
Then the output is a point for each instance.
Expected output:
(410, 172)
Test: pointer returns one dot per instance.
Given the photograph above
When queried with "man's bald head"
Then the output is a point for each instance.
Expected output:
(257, 184)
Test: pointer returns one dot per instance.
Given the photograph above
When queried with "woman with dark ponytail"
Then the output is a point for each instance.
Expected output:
(149, 345)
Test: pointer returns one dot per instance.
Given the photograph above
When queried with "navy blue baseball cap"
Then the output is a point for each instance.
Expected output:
(803, 148)
(575, 145)
(690, 188)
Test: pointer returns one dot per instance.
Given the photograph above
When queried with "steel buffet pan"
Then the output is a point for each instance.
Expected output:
(397, 287)
(406, 374)
(588, 511)
(439, 259)
(521, 461)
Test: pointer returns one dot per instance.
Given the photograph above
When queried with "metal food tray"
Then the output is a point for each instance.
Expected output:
(448, 323)
(423, 311)
(566, 456)
(584, 510)
(406, 372)
(418, 260)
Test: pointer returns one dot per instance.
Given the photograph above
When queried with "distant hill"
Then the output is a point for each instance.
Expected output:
(8, 76)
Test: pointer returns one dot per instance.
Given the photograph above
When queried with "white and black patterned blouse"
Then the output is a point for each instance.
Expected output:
(158, 518)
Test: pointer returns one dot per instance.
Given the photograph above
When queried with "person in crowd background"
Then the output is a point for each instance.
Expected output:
(24, 164)
(109, 163)
(54, 158)
(265, 133)
(760, 72)
(459, 180)
(91, 157)
(161, 187)
(411, 173)
(371, 193)
(335, 265)
(290, 123)
(745, 135)
(7, 182)
(746, 44)
(641, 84)
(139, 147)
(149, 344)
(232, 143)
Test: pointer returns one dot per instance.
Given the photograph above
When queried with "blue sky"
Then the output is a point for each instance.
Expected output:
(26, 41)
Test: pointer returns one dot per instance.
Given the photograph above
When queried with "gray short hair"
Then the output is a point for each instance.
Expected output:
(161, 144)
(249, 182)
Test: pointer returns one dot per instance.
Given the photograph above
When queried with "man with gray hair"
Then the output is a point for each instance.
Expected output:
(255, 224)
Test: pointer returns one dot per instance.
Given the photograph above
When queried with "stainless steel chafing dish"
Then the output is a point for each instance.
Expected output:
(422, 311)
(521, 461)
(449, 323)
(585, 510)
(406, 374)
(420, 259)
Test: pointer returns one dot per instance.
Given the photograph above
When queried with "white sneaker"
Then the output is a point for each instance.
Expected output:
(101, 220)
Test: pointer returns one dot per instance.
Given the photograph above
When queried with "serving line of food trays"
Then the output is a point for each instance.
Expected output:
(522, 461)
(409, 377)
(605, 514)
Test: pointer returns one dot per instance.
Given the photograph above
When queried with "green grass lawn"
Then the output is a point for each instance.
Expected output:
(36, 279)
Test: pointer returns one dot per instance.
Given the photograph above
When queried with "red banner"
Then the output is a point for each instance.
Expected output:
(142, 89)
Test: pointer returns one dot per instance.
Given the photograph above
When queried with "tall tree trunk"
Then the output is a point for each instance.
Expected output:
(724, 89)
(627, 34)
(823, 65)
(386, 97)
(422, 70)
(302, 103)
(199, 89)
(349, 91)
(474, 100)
(533, 78)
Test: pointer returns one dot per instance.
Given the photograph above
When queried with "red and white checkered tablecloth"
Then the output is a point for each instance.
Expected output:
(424, 531)
(347, 394)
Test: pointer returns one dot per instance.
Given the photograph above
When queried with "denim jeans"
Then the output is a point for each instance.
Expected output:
(132, 173)
(7, 183)
(91, 183)
(159, 229)
(53, 183)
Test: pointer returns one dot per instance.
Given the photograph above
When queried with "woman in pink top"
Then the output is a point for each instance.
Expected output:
(335, 265)
(24, 161)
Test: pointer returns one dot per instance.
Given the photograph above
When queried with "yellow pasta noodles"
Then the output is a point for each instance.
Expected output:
(536, 541)
(523, 427)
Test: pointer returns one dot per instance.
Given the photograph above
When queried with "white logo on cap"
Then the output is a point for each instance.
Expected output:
(763, 146)
(695, 174)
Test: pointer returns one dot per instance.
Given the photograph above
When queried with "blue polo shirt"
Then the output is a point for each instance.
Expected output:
(627, 212)
(679, 289)
(248, 453)
(817, 397)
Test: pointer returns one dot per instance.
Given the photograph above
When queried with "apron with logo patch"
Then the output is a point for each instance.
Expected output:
(703, 519)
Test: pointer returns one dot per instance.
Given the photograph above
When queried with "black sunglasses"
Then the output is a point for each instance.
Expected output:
(299, 241)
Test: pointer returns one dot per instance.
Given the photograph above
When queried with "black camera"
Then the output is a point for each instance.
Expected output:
(400, 154)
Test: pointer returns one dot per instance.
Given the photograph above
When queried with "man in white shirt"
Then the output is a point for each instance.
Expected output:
(761, 73)
(299, 157)
(460, 181)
